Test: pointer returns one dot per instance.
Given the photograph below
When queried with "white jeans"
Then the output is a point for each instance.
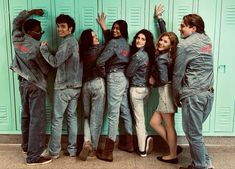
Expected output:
(138, 96)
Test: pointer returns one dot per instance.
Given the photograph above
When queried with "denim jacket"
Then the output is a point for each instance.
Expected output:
(164, 69)
(115, 56)
(138, 69)
(193, 70)
(67, 61)
(28, 62)
(89, 62)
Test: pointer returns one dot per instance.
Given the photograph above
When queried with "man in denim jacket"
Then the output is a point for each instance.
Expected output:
(67, 86)
(192, 86)
(32, 69)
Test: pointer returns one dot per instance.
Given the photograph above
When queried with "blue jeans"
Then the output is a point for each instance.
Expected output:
(138, 97)
(117, 88)
(94, 102)
(65, 100)
(32, 120)
(195, 110)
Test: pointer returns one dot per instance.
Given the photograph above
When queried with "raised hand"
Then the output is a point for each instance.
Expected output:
(44, 43)
(38, 12)
(101, 20)
(159, 9)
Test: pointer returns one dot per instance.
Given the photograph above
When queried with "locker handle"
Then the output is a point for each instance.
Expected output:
(222, 69)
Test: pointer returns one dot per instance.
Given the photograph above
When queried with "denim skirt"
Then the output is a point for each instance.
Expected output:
(166, 103)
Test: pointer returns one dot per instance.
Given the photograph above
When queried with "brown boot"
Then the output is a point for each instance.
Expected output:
(126, 144)
(85, 150)
(107, 153)
(100, 146)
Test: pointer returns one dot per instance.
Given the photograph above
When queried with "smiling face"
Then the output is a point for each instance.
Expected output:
(185, 31)
(95, 38)
(36, 33)
(63, 29)
(140, 41)
(164, 43)
(116, 31)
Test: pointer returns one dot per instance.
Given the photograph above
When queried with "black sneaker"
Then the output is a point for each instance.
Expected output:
(40, 161)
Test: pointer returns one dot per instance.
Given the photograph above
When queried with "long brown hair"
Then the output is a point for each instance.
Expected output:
(173, 48)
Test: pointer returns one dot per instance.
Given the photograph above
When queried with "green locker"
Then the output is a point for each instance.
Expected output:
(7, 109)
(224, 117)
(219, 17)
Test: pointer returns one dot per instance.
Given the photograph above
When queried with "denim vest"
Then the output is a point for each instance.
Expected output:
(138, 69)
(115, 56)
(67, 61)
(193, 70)
(28, 62)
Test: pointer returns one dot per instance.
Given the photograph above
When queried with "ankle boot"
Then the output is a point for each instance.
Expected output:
(107, 153)
(127, 144)
(100, 146)
(87, 147)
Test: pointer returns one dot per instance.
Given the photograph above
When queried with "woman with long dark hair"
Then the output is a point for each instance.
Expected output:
(138, 71)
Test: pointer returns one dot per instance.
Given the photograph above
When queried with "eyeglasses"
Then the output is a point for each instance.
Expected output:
(38, 33)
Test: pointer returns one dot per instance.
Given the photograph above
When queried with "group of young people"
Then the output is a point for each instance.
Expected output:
(118, 75)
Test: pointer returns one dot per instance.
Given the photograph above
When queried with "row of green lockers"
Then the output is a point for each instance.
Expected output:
(219, 17)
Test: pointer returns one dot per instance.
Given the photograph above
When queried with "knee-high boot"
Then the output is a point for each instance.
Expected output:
(107, 152)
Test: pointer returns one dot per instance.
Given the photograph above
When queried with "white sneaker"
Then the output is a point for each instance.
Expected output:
(149, 145)
(46, 154)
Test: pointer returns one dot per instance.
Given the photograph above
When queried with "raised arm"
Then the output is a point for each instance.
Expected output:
(159, 9)
(101, 21)
(18, 22)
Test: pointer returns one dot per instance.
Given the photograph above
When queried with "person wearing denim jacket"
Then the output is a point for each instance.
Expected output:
(162, 120)
(32, 71)
(193, 86)
(93, 92)
(67, 86)
(112, 63)
(138, 72)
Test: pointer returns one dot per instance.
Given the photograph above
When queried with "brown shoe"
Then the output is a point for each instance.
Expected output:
(85, 151)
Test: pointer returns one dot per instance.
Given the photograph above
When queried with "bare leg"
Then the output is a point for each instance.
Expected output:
(156, 123)
(169, 124)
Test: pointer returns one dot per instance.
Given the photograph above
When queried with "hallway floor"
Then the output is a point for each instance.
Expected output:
(11, 157)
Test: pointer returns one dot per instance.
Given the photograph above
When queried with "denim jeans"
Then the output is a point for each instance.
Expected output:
(195, 110)
(32, 120)
(65, 100)
(93, 102)
(138, 96)
(117, 88)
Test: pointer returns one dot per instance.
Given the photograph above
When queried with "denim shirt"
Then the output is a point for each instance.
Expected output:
(193, 70)
(115, 56)
(28, 62)
(138, 69)
(67, 61)
(164, 69)
(89, 62)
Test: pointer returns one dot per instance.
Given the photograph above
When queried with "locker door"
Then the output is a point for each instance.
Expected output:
(210, 23)
(7, 117)
(15, 8)
(225, 99)
(135, 16)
